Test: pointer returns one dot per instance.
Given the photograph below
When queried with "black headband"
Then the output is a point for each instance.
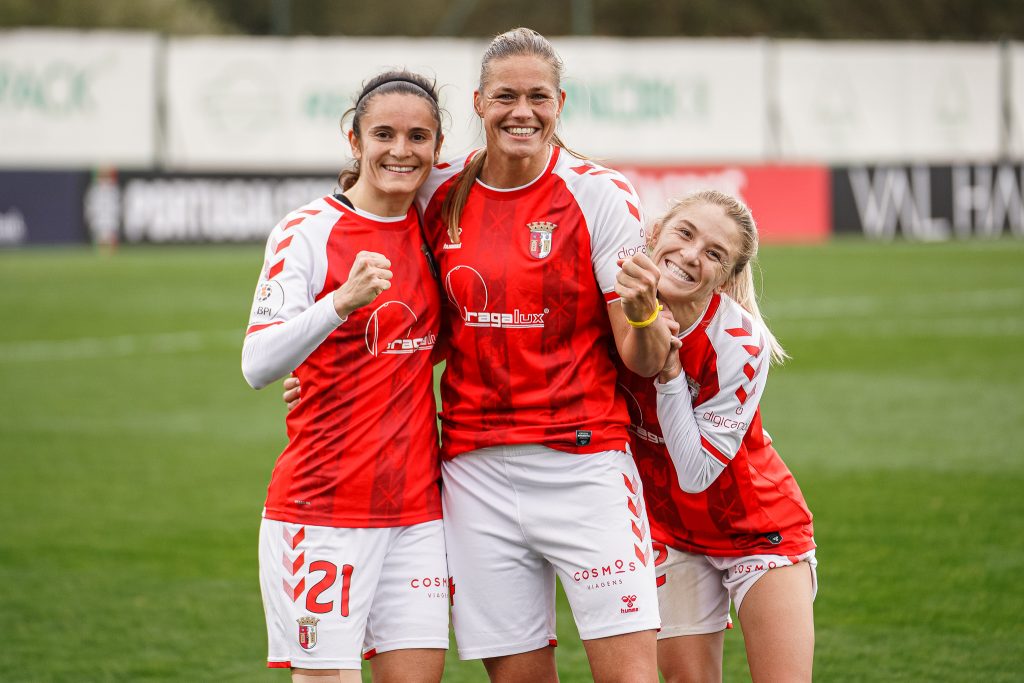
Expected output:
(399, 79)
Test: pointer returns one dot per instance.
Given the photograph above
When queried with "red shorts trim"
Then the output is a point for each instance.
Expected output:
(279, 665)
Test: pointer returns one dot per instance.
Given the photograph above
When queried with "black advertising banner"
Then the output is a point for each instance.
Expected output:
(928, 203)
(42, 207)
(179, 207)
(913, 202)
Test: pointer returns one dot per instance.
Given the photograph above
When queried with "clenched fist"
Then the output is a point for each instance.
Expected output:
(637, 284)
(370, 275)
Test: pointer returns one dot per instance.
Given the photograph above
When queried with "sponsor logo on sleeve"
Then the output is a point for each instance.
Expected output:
(719, 421)
(268, 300)
(632, 250)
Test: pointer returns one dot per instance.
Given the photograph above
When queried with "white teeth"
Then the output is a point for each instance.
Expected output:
(521, 131)
(678, 272)
(399, 169)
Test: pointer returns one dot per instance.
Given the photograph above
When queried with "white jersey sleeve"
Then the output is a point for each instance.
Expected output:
(695, 468)
(703, 439)
(613, 214)
(287, 323)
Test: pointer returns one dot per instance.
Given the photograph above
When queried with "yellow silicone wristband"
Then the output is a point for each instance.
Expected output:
(649, 321)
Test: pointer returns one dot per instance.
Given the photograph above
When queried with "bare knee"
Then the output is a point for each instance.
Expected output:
(537, 666)
(627, 658)
(416, 665)
(691, 659)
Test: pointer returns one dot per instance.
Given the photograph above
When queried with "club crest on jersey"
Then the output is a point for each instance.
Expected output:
(540, 238)
(307, 632)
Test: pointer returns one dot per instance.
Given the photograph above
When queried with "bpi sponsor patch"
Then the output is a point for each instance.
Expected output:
(268, 301)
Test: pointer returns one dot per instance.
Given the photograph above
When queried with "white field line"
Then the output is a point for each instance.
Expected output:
(939, 302)
(811, 310)
(82, 348)
(967, 328)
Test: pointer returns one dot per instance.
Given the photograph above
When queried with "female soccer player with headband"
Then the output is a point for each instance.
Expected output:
(352, 558)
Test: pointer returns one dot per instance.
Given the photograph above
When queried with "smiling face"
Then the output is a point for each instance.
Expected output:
(696, 249)
(519, 103)
(398, 144)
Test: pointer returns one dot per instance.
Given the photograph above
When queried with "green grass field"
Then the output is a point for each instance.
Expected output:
(135, 460)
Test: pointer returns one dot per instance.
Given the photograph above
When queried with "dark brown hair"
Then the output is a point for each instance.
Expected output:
(388, 83)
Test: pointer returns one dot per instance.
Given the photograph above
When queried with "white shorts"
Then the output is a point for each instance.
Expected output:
(515, 516)
(331, 595)
(694, 591)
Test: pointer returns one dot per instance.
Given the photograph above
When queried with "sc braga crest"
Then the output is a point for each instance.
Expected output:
(307, 632)
(540, 238)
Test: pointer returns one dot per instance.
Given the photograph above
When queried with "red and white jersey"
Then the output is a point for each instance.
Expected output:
(527, 289)
(362, 443)
(742, 498)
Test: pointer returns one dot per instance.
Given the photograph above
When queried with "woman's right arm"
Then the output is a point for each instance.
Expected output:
(286, 324)
(272, 352)
(275, 348)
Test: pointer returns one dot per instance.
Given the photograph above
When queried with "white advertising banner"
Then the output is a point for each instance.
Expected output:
(860, 102)
(271, 104)
(1016, 97)
(664, 100)
(72, 99)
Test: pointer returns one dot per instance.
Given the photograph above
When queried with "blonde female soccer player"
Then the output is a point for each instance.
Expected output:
(730, 522)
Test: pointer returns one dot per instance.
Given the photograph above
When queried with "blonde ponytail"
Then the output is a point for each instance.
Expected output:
(455, 200)
(740, 288)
